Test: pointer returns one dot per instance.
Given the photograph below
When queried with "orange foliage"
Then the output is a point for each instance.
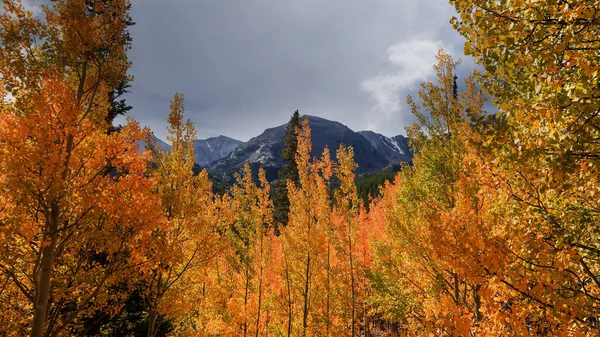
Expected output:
(72, 196)
(492, 231)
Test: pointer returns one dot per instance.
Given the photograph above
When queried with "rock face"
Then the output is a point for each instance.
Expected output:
(265, 149)
(394, 149)
(214, 148)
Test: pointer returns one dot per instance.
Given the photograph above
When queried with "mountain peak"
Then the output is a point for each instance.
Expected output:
(214, 148)
(316, 119)
(221, 138)
(265, 149)
(222, 155)
(313, 117)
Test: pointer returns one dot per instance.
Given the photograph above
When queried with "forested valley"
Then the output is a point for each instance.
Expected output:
(492, 230)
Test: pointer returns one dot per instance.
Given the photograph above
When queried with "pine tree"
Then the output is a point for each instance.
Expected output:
(289, 171)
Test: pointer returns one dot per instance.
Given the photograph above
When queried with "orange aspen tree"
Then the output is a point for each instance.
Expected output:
(75, 200)
(344, 219)
(208, 293)
(74, 216)
(268, 252)
(275, 303)
(265, 207)
(373, 225)
(248, 264)
(185, 238)
(305, 239)
(367, 230)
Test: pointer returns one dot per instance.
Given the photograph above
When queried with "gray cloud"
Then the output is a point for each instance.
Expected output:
(245, 65)
(413, 60)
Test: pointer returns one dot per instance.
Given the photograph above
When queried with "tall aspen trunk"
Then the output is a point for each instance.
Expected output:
(306, 289)
(456, 289)
(353, 291)
(245, 326)
(153, 300)
(465, 293)
(43, 287)
(289, 290)
(152, 323)
(260, 280)
(477, 302)
(328, 289)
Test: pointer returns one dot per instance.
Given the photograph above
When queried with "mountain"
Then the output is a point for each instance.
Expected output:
(207, 150)
(394, 149)
(214, 148)
(223, 156)
(265, 149)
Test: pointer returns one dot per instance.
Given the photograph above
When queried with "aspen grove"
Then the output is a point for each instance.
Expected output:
(491, 230)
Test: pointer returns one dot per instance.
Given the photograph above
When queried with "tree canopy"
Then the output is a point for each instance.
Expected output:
(491, 231)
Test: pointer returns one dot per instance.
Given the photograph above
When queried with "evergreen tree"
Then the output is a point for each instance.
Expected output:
(369, 186)
(289, 171)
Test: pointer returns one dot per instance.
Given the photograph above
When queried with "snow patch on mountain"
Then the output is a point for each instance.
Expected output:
(261, 155)
(394, 149)
(400, 150)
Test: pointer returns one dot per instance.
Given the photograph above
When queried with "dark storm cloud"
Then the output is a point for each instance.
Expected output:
(247, 65)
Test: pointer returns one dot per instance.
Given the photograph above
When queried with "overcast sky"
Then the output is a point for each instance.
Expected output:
(246, 65)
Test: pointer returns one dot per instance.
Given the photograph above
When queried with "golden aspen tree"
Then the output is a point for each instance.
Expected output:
(75, 214)
(436, 258)
(185, 238)
(344, 219)
(247, 266)
(262, 253)
(541, 69)
(305, 239)
(209, 293)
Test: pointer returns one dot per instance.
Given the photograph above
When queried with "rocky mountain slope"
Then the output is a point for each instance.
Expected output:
(265, 149)
(394, 149)
(214, 148)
